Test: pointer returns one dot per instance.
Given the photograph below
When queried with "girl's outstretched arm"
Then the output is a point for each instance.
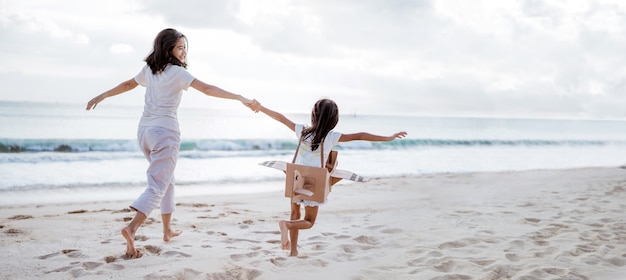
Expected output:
(274, 115)
(370, 137)
(121, 88)
(218, 92)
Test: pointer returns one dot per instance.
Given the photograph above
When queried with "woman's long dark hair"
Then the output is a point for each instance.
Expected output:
(324, 118)
(161, 56)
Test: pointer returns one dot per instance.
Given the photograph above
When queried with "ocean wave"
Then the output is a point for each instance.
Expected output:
(124, 184)
(239, 145)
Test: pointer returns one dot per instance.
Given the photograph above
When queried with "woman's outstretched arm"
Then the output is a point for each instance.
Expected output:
(214, 91)
(121, 88)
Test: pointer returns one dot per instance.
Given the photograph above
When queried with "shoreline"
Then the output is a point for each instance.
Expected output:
(537, 224)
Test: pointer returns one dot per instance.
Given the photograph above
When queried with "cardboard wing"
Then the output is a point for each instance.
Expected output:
(331, 164)
(312, 183)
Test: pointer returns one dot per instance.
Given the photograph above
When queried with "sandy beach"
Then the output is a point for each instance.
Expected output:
(542, 224)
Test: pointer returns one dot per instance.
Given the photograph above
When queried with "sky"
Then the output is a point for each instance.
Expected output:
(499, 58)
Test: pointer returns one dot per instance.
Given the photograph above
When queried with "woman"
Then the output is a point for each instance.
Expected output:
(165, 77)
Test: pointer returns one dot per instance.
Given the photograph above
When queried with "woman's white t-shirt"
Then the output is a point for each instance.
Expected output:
(312, 158)
(163, 95)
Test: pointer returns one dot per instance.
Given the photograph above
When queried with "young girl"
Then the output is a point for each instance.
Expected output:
(165, 77)
(324, 118)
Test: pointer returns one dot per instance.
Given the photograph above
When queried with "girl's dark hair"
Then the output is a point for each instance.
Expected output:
(324, 118)
(161, 56)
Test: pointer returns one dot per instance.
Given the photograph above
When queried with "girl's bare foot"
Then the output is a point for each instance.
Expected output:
(131, 251)
(169, 234)
(294, 253)
(284, 238)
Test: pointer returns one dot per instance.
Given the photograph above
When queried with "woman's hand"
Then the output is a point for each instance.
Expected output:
(94, 101)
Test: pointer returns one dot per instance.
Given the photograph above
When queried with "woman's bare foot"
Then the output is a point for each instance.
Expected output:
(131, 251)
(284, 232)
(169, 234)
(138, 254)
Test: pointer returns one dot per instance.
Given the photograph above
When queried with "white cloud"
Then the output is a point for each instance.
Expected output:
(121, 48)
(448, 57)
(36, 25)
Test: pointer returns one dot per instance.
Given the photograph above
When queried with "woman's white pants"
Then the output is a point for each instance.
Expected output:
(160, 146)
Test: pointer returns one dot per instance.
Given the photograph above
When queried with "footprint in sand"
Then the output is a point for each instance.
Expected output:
(459, 243)
(208, 217)
(186, 273)
(73, 253)
(154, 250)
(62, 269)
(237, 240)
(280, 262)
(375, 227)
(70, 253)
(367, 240)
(150, 221)
(175, 254)
(107, 241)
(21, 217)
(616, 261)
(513, 257)
(76, 273)
(435, 254)
(543, 272)
(583, 249)
(416, 262)
(447, 266)
(235, 272)
(482, 263)
(616, 189)
(501, 272)
(532, 220)
(238, 257)
(141, 237)
(273, 241)
(342, 237)
(391, 231)
(351, 249)
(517, 244)
(114, 266)
(44, 257)
(319, 246)
(318, 263)
(91, 265)
(14, 232)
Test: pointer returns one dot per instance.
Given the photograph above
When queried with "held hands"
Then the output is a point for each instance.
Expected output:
(254, 105)
(247, 102)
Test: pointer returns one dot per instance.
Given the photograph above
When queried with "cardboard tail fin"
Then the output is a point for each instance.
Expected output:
(299, 185)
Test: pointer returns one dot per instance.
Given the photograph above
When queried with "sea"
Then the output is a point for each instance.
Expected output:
(52, 152)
